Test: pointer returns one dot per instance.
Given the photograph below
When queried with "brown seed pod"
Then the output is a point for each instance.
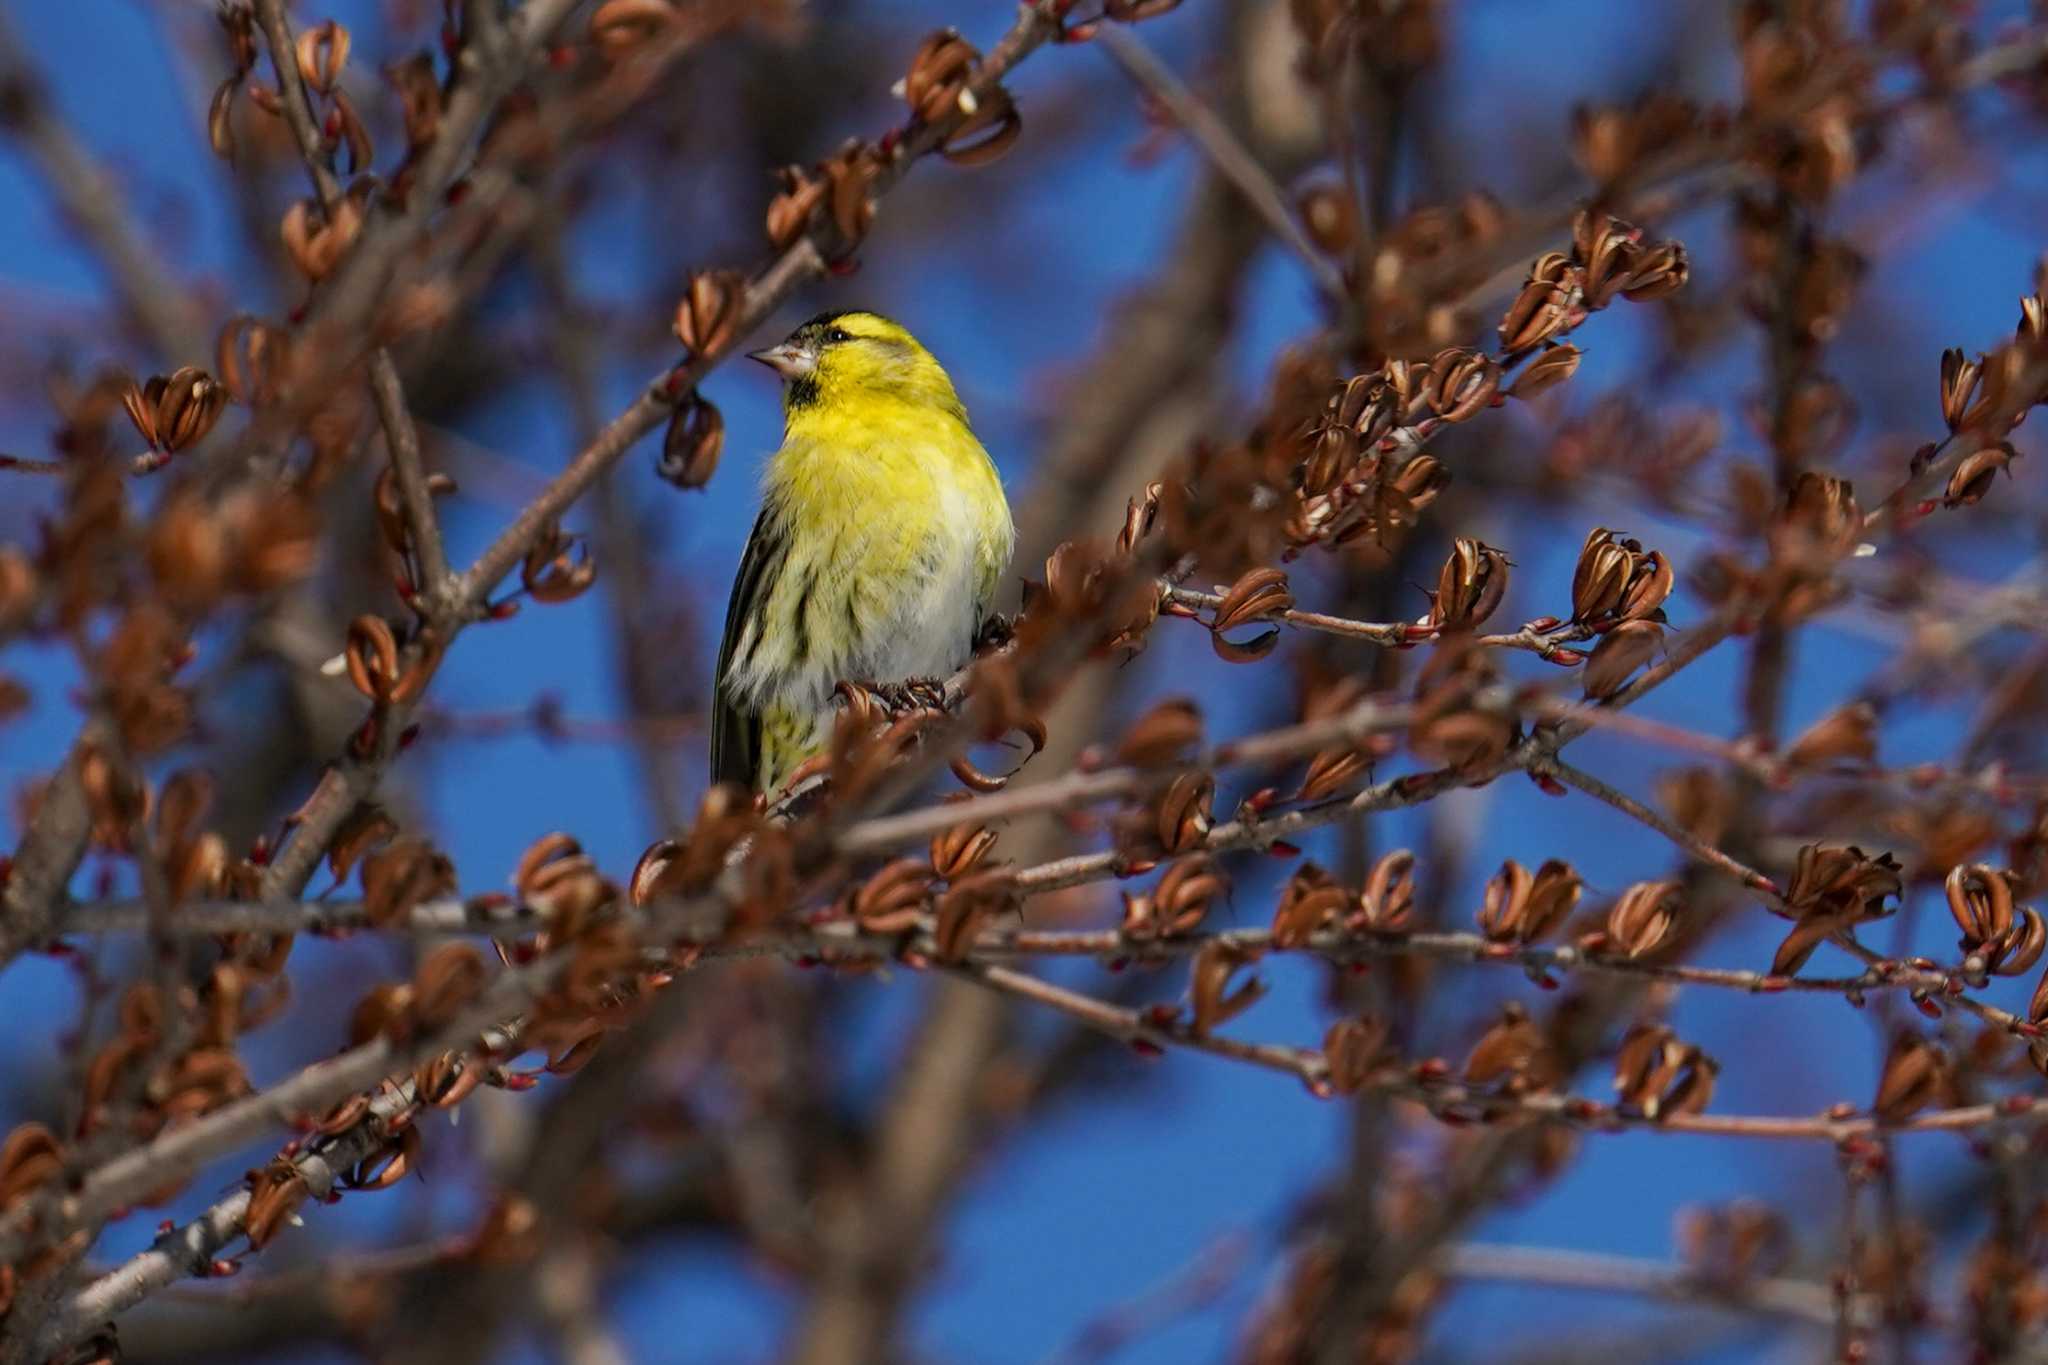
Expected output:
(1959, 381)
(1847, 732)
(275, 1193)
(558, 568)
(29, 1159)
(959, 850)
(894, 899)
(1462, 382)
(323, 53)
(402, 876)
(1659, 1076)
(1260, 595)
(1555, 364)
(621, 28)
(175, 411)
(1973, 478)
(708, 314)
(1615, 580)
(1310, 904)
(1354, 1050)
(1542, 309)
(1214, 1001)
(1513, 1054)
(965, 907)
(692, 444)
(1619, 654)
(1470, 587)
(372, 656)
(1643, 918)
(849, 197)
(1183, 816)
(1332, 771)
(1165, 735)
(316, 238)
(1386, 903)
(1916, 1076)
(791, 211)
(939, 70)
(1522, 907)
(419, 98)
(1660, 270)
(556, 877)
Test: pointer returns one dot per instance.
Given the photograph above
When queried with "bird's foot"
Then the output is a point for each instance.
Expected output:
(997, 630)
(912, 695)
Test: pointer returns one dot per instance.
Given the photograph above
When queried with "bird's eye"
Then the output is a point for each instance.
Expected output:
(838, 334)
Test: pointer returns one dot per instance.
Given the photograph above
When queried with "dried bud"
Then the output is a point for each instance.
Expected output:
(1619, 654)
(1353, 1051)
(1542, 309)
(1183, 817)
(1659, 1076)
(709, 311)
(894, 898)
(1916, 1075)
(1311, 903)
(322, 53)
(1847, 732)
(1387, 902)
(175, 411)
(1553, 365)
(1660, 269)
(965, 906)
(1644, 918)
(558, 567)
(692, 444)
(1972, 478)
(1616, 581)
(1462, 382)
(1165, 735)
(1214, 1001)
(556, 877)
(849, 191)
(1522, 907)
(419, 98)
(957, 851)
(790, 212)
(1261, 595)
(252, 357)
(1959, 380)
(316, 239)
(1513, 1052)
(619, 28)
(402, 876)
(1834, 880)
(1470, 587)
(2007, 938)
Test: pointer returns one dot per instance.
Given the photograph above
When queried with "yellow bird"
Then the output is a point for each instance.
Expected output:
(882, 537)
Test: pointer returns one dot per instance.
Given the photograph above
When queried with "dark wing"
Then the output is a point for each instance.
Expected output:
(736, 734)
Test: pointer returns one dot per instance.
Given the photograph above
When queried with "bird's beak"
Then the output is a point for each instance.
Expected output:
(788, 360)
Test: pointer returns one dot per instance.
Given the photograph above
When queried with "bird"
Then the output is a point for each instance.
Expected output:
(882, 538)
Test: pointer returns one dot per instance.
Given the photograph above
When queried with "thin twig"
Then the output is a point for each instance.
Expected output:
(1230, 156)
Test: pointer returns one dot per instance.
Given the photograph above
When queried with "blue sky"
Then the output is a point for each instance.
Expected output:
(1102, 1200)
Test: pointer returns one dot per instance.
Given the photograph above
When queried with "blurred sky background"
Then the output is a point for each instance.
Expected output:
(1093, 1206)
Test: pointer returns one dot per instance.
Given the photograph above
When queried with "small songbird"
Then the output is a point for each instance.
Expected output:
(882, 537)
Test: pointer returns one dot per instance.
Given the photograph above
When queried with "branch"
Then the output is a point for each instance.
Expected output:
(400, 436)
(1554, 1267)
(146, 287)
(1232, 159)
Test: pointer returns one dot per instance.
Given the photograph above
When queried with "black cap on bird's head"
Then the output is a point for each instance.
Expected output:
(857, 352)
(799, 352)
